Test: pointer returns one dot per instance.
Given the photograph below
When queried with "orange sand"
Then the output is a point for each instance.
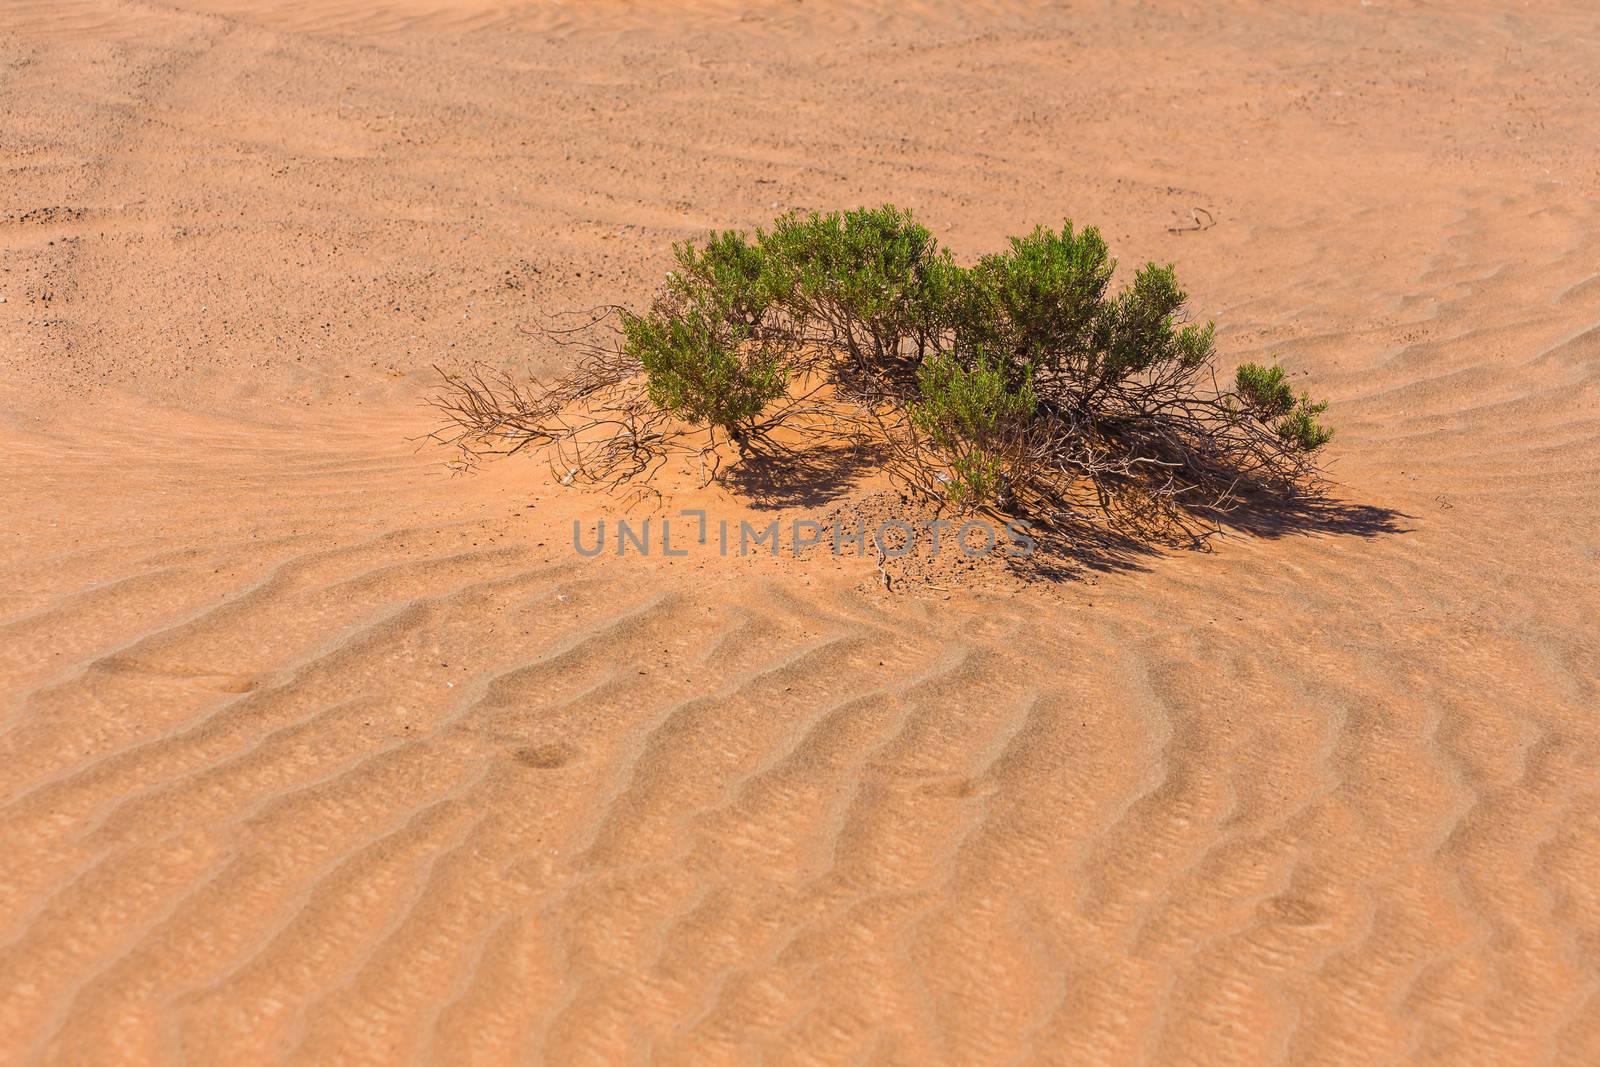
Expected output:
(314, 754)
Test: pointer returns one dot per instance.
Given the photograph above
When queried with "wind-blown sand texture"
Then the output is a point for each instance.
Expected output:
(314, 754)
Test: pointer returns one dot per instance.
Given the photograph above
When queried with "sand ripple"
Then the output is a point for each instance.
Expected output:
(312, 754)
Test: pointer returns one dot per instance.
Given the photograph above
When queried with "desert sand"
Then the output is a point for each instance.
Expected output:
(314, 753)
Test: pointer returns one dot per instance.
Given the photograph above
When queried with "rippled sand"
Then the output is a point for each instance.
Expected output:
(314, 754)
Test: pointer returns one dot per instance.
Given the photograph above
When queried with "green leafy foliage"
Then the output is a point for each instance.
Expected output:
(1266, 393)
(1040, 300)
(728, 278)
(1138, 331)
(872, 278)
(1300, 428)
(972, 355)
(970, 403)
(700, 369)
(976, 416)
(1264, 390)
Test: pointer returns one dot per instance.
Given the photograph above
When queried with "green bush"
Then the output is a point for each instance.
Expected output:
(1301, 429)
(1139, 330)
(1264, 390)
(727, 279)
(1266, 394)
(1024, 381)
(870, 280)
(1039, 301)
(977, 418)
(866, 280)
(700, 369)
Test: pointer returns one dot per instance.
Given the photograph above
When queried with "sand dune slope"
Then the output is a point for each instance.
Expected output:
(312, 753)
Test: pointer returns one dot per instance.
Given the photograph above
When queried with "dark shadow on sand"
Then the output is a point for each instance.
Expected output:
(1078, 546)
(1075, 545)
(813, 478)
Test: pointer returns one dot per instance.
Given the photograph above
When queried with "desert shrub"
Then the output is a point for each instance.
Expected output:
(1266, 394)
(1039, 301)
(1264, 390)
(726, 280)
(976, 421)
(1139, 331)
(1023, 382)
(1300, 428)
(871, 281)
(701, 368)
